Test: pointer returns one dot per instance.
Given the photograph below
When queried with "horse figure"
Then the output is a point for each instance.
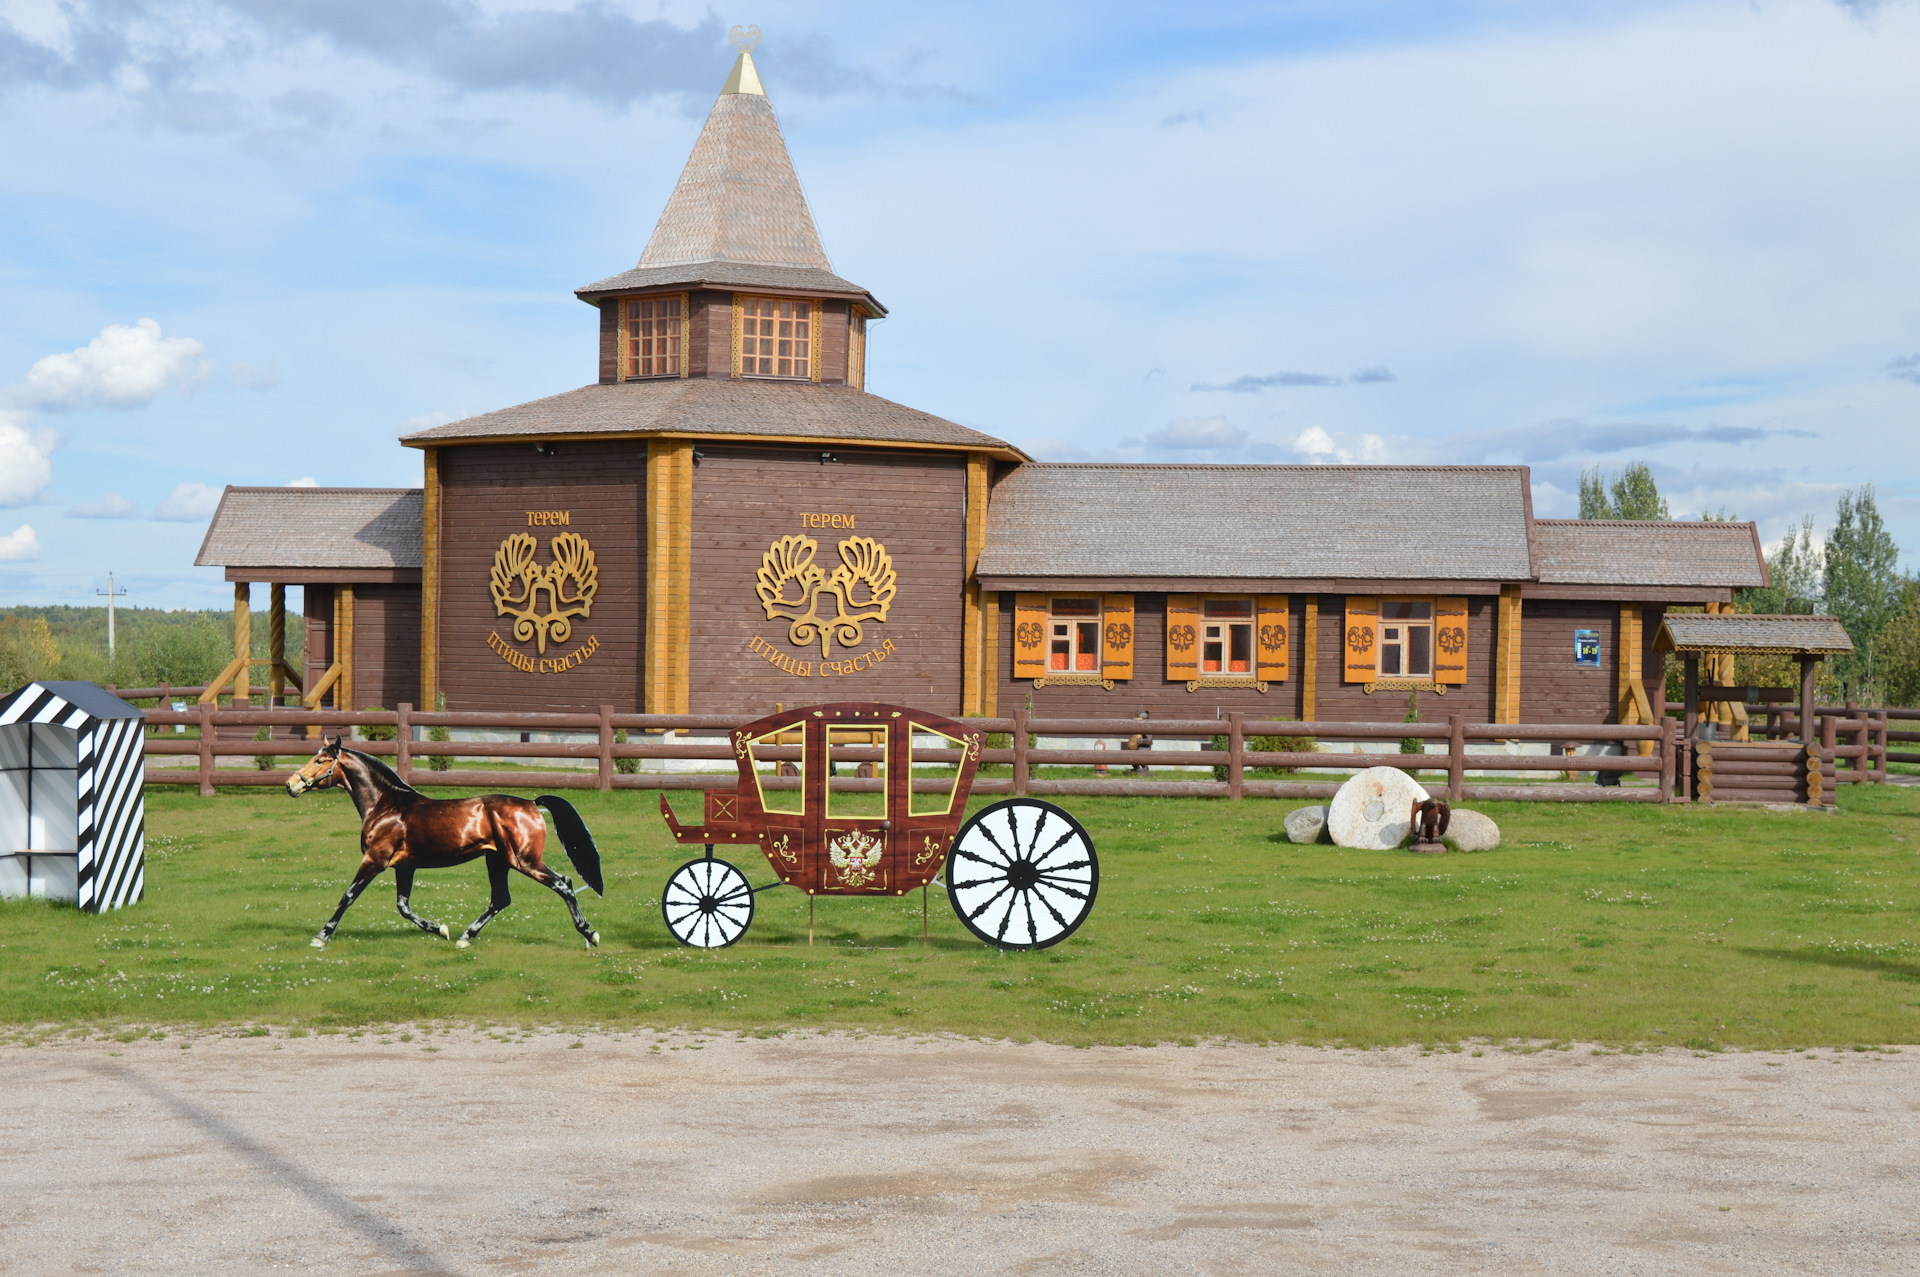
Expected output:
(404, 830)
(1430, 821)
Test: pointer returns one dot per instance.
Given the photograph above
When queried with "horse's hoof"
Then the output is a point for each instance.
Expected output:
(319, 942)
(444, 933)
(593, 940)
(462, 943)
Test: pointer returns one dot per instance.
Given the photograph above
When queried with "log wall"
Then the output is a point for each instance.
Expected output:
(745, 498)
(486, 492)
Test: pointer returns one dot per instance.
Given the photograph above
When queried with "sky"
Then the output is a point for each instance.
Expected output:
(256, 241)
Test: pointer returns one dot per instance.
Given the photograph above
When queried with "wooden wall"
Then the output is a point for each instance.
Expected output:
(486, 492)
(386, 645)
(745, 498)
(609, 340)
(1335, 701)
(710, 335)
(831, 343)
(318, 657)
(1552, 688)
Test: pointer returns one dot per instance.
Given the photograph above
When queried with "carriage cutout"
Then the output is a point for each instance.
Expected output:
(867, 800)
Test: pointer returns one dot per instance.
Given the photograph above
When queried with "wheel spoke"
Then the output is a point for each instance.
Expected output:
(1038, 826)
(1063, 840)
(978, 859)
(987, 903)
(984, 832)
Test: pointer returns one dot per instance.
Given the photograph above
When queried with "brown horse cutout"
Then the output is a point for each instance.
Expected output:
(403, 830)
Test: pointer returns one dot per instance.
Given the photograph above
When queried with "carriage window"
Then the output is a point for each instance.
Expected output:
(856, 772)
(779, 767)
(935, 781)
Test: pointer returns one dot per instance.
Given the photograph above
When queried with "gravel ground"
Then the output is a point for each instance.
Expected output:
(457, 1153)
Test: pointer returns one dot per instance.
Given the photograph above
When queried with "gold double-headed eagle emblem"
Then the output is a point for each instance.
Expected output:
(791, 587)
(568, 584)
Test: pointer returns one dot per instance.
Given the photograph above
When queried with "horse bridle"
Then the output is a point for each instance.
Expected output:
(327, 780)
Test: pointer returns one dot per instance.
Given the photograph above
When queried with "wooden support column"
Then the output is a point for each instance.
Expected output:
(1808, 729)
(1690, 697)
(242, 639)
(1309, 658)
(1631, 694)
(276, 645)
(403, 742)
(974, 629)
(430, 582)
(343, 690)
(669, 573)
(1506, 672)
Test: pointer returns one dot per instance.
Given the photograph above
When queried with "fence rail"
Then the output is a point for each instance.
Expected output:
(227, 733)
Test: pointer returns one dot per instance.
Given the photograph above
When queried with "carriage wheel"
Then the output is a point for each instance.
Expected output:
(1022, 874)
(707, 903)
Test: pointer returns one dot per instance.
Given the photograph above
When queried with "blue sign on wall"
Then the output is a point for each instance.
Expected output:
(1586, 647)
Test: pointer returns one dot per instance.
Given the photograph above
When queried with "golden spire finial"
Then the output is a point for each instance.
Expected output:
(744, 79)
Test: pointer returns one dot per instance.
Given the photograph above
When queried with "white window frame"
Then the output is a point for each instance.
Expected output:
(1076, 625)
(1220, 629)
(1398, 632)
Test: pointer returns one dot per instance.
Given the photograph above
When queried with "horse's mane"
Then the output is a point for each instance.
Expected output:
(383, 776)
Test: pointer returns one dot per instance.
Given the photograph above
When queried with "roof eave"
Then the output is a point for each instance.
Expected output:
(594, 294)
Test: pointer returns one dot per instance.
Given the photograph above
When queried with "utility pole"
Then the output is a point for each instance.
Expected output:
(110, 592)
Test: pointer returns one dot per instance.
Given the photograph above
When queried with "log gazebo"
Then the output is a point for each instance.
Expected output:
(1752, 771)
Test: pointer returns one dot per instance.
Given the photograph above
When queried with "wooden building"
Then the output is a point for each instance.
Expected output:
(726, 521)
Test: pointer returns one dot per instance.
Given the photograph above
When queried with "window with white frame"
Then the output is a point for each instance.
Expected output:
(1406, 638)
(1073, 636)
(1226, 638)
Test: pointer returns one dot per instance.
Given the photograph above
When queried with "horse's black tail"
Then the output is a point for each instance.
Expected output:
(576, 838)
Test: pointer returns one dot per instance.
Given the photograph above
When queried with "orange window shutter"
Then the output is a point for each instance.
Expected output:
(1450, 641)
(1360, 642)
(1116, 636)
(1271, 613)
(1029, 635)
(1183, 637)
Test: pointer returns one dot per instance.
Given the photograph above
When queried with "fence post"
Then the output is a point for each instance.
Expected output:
(1864, 763)
(1020, 751)
(1667, 760)
(207, 734)
(606, 747)
(1829, 737)
(1236, 755)
(403, 741)
(1879, 741)
(166, 701)
(1456, 758)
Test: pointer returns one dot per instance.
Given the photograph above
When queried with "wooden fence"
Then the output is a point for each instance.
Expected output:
(227, 733)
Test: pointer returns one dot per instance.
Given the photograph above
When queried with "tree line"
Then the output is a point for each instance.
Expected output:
(151, 646)
(1853, 574)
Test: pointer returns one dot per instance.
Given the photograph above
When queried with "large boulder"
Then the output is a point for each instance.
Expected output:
(1471, 831)
(1307, 824)
(1374, 809)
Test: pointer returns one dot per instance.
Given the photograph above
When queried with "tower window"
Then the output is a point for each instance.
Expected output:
(653, 337)
(776, 337)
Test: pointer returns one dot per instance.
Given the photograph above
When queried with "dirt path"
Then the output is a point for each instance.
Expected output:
(838, 1155)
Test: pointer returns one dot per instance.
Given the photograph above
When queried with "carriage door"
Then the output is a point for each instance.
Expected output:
(779, 760)
(856, 833)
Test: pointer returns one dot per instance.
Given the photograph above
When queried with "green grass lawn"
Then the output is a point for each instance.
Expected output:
(1623, 924)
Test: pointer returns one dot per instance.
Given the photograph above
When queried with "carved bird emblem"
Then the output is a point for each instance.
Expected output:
(569, 583)
(792, 586)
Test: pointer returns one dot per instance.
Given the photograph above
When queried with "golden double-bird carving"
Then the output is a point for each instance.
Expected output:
(791, 585)
(568, 582)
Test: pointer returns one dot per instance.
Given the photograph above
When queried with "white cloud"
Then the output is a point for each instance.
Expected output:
(1192, 433)
(20, 546)
(262, 378)
(111, 506)
(124, 367)
(188, 503)
(307, 482)
(26, 460)
(1321, 448)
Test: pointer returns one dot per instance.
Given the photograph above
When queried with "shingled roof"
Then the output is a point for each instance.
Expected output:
(698, 406)
(737, 217)
(1268, 522)
(352, 528)
(1648, 552)
(1731, 632)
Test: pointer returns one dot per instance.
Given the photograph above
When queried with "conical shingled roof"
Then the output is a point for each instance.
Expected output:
(738, 216)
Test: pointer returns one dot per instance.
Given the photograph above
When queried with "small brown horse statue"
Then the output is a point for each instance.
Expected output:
(404, 830)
